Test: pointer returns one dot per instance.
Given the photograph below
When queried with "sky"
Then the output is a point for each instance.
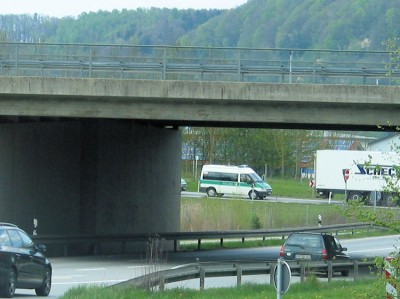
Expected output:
(57, 8)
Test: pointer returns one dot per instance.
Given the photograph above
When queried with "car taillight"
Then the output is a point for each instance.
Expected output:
(324, 254)
(282, 251)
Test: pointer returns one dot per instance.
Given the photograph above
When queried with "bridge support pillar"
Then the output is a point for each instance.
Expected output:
(90, 177)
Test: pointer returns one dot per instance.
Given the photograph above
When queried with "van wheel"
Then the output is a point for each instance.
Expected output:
(253, 194)
(211, 192)
(345, 273)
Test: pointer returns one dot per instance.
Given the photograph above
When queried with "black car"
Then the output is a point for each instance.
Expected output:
(183, 185)
(22, 263)
(313, 247)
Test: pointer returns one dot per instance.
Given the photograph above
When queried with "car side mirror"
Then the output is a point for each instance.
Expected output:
(41, 248)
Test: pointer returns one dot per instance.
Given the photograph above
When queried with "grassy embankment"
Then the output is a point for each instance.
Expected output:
(313, 289)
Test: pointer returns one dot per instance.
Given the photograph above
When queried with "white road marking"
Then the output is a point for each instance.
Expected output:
(91, 269)
(136, 267)
(370, 250)
(90, 282)
(66, 276)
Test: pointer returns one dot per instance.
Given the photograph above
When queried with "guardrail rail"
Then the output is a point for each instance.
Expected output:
(96, 240)
(238, 269)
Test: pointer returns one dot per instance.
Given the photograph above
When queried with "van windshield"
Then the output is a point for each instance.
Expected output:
(255, 177)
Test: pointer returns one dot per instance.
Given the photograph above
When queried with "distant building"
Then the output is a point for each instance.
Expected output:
(390, 143)
(336, 140)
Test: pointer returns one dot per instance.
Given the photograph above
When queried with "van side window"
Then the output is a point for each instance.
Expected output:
(220, 176)
(245, 178)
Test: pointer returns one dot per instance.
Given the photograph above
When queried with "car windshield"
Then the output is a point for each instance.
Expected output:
(255, 177)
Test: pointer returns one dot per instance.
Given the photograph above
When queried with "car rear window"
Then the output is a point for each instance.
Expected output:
(304, 240)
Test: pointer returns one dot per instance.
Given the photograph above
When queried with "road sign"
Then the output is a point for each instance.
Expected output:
(282, 277)
(346, 174)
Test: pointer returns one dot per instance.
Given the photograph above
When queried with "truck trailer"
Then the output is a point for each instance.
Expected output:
(370, 176)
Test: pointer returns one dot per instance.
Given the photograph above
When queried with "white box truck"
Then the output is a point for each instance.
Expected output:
(361, 175)
(217, 180)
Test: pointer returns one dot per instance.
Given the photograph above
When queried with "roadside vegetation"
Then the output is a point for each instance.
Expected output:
(200, 214)
(312, 289)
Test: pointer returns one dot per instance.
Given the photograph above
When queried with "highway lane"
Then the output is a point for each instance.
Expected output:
(71, 272)
(268, 199)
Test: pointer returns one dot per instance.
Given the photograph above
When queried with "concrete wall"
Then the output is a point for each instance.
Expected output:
(90, 176)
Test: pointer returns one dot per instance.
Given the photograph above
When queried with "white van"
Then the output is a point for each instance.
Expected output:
(217, 180)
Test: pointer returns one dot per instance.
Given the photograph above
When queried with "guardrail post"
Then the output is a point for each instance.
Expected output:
(161, 285)
(330, 271)
(198, 244)
(164, 65)
(221, 242)
(239, 275)
(271, 273)
(302, 272)
(90, 61)
(95, 249)
(355, 275)
(202, 277)
(16, 59)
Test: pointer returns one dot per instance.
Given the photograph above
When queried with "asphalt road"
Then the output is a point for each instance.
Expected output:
(107, 270)
(268, 199)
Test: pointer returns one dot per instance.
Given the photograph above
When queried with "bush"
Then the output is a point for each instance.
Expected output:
(255, 222)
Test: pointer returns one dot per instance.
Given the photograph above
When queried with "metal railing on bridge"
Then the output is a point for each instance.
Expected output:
(197, 63)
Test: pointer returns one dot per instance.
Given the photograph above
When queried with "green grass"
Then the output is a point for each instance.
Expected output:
(201, 214)
(292, 188)
(312, 289)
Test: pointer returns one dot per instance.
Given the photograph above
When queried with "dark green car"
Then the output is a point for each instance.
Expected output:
(314, 247)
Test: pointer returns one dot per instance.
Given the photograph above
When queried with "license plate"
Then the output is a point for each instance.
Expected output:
(303, 256)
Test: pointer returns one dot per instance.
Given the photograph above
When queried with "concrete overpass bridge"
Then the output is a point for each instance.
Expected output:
(101, 154)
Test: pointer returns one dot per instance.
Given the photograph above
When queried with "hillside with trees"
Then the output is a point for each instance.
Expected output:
(306, 24)
(153, 26)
